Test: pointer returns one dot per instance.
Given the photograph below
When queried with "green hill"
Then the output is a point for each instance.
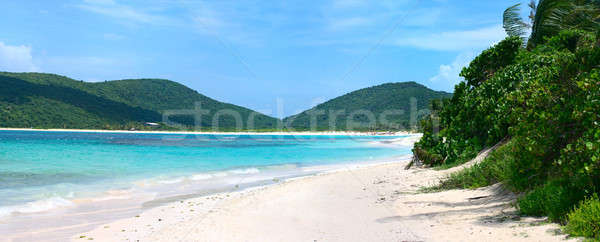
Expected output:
(52, 101)
(376, 100)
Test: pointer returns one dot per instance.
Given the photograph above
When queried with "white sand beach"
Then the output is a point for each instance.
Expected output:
(208, 132)
(375, 203)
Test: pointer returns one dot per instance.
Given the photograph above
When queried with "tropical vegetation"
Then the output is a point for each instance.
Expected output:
(548, 17)
(538, 96)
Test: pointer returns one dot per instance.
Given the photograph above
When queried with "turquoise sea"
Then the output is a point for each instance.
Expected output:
(41, 171)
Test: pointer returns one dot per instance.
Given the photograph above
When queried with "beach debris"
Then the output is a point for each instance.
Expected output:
(81, 237)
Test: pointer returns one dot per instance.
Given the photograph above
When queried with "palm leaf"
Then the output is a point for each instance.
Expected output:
(552, 16)
(583, 17)
(513, 23)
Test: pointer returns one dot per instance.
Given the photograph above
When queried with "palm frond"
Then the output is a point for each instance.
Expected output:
(544, 10)
(513, 23)
(583, 17)
(552, 16)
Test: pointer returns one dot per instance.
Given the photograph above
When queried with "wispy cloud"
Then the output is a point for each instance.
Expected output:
(455, 40)
(16, 58)
(448, 75)
(115, 10)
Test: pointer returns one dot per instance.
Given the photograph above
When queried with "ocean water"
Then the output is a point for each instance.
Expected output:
(41, 171)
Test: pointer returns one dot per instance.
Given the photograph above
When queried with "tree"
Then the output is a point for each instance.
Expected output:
(548, 17)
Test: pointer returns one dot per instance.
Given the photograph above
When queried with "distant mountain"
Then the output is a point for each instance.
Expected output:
(52, 101)
(375, 101)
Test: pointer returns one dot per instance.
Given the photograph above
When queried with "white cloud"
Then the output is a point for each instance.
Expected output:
(456, 40)
(16, 58)
(119, 11)
(346, 23)
(447, 76)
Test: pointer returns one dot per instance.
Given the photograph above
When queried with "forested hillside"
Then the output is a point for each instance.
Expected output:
(376, 100)
(51, 101)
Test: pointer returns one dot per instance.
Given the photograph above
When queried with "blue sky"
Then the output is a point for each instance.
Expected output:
(252, 53)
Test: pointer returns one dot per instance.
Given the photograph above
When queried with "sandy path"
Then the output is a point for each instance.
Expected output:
(379, 203)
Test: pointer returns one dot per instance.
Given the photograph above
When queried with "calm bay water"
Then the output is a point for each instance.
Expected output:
(43, 170)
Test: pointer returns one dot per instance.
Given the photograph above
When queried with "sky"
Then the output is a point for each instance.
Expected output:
(257, 54)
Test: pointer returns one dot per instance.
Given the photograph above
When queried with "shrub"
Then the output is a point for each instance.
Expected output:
(585, 219)
(554, 199)
(426, 157)
(490, 171)
(533, 203)
(492, 60)
(547, 101)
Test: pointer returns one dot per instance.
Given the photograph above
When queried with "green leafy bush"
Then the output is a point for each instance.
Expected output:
(475, 116)
(547, 101)
(492, 60)
(585, 219)
(495, 168)
(555, 199)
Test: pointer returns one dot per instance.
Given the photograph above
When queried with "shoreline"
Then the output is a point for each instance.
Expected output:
(299, 133)
(117, 206)
(374, 202)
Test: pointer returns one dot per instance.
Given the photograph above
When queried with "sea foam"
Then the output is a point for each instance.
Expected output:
(36, 206)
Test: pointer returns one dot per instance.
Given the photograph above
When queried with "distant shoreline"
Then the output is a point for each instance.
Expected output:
(330, 133)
